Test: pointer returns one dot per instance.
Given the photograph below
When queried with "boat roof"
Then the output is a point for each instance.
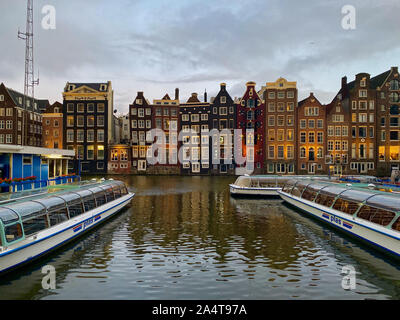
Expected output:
(13, 209)
(354, 192)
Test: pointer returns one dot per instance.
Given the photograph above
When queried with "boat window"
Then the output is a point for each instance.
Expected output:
(281, 182)
(386, 202)
(87, 199)
(27, 209)
(124, 191)
(35, 224)
(287, 187)
(243, 182)
(396, 225)
(58, 215)
(325, 199)
(346, 206)
(356, 195)
(309, 194)
(100, 197)
(8, 216)
(264, 183)
(13, 232)
(89, 203)
(75, 208)
(375, 215)
(109, 192)
(117, 191)
(298, 189)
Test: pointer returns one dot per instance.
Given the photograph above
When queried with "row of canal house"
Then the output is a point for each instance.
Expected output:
(189, 135)
(356, 133)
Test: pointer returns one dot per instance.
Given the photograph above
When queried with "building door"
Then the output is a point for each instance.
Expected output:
(142, 165)
(196, 167)
(337, 170)
(223, 168)
(311, 168)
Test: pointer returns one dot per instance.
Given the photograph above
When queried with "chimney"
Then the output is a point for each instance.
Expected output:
(394, 69)
(205, 95)
(177, 94)
(344, 82)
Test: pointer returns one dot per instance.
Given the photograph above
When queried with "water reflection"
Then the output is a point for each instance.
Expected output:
(186, 238)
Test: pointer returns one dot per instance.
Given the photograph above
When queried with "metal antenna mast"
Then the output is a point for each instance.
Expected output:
(30, 82)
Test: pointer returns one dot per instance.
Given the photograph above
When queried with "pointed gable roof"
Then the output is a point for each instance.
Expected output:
(193, 98)
(166, 97)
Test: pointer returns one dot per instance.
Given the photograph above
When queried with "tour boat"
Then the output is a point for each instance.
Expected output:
(370, 215)
(267, 185)
(35, 225)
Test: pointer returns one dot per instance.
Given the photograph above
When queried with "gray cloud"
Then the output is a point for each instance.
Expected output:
(155, 46)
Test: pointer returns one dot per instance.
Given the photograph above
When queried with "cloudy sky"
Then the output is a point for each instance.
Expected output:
(157, 45)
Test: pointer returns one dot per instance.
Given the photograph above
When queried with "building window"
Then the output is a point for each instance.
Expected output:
(70, 121)
(90, 135)
(271, 107)
(80, 121)
(394, 84)
(290, 152)
(100, 121)
(100, 107)
(70, 135)
(100, 135)
(363, 93)
(80, 136)
(100, 152)
(90, 121)
(90, 152)
(80, 107)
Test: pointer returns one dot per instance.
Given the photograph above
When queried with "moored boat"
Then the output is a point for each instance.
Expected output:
(369, 215)
(35, 225)
(267, 185)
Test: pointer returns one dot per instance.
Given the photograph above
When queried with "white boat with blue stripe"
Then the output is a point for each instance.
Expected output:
(369, 215)
(262, 185)
(32, 226)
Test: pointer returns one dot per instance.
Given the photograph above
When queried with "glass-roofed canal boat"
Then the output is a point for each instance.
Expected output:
(262, 185)
(36, 223)
(369, 215)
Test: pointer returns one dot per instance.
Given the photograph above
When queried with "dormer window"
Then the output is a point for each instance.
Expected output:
(56, 110)
(71, 87)
(362, 83)
(20, 100)
(28, 103)
(103, 87)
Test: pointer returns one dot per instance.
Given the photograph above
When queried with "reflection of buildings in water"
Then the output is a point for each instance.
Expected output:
(26, 283)
(267, 231)
(372, 267)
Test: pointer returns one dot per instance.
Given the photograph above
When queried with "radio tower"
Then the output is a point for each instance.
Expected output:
(30, 82)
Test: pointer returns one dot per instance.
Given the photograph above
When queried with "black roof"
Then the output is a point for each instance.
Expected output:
(18, 98)
(94, 86)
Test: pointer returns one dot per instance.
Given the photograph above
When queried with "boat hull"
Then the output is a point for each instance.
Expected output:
(51, 239)
(385, 240)
(253, 192)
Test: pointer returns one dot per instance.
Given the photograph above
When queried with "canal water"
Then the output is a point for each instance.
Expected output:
(186, 238)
